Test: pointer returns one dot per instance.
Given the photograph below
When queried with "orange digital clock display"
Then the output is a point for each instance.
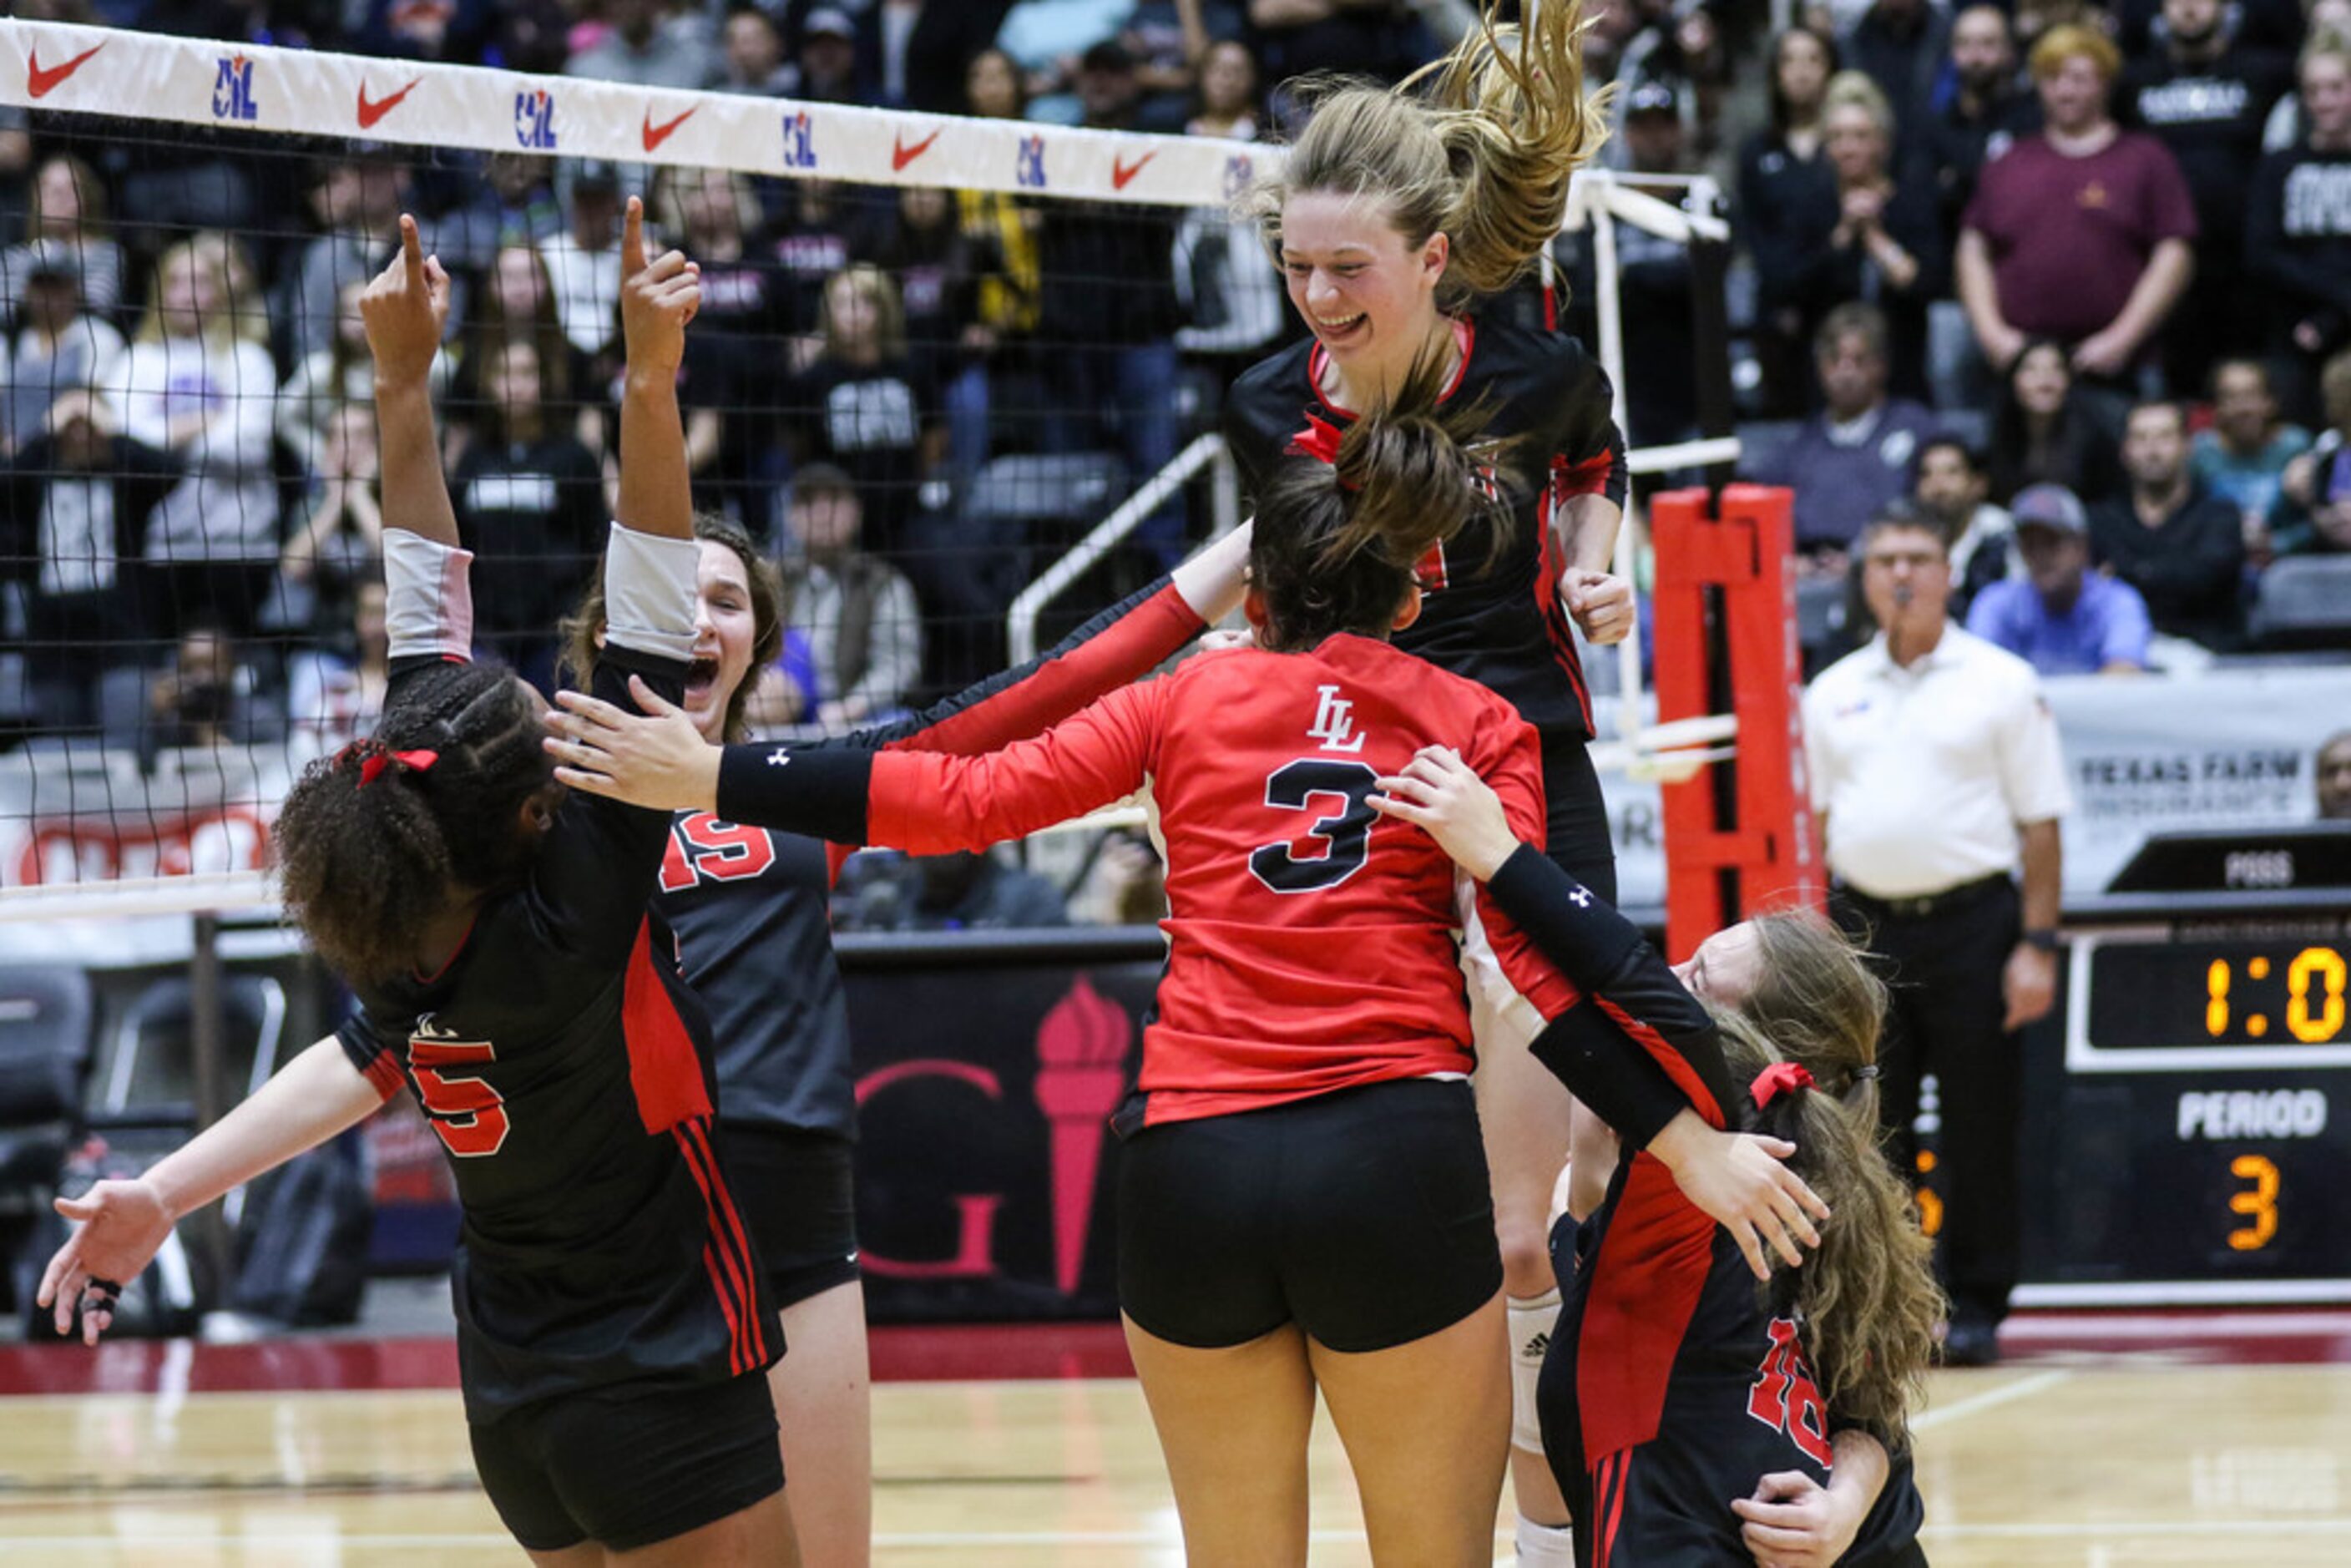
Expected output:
(2176, 995)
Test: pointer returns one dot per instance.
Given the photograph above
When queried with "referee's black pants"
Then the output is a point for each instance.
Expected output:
(1944, 968)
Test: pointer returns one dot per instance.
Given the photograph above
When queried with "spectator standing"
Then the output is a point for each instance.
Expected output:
(2242, 458)
(1787, 200)
(1002, 228)
(2316, 486)
(530, 506)
(2298, 213)
(751, 57)
(357, 203)
(58, 346)
(65, 224)
(1847, 463)
(2083, 234)
(1951, 491)
(2062, 618)
(2140, 26)
(1109, 321)
(642, 45)
(2044, 432)
(2179, 545)
(863, 407)
(1900, 44)
(856, 612)
(198, 382)
(75, 505)
(1229, 103)
(583, 264)
(1937, 775)
(921, 49)
(1984, 111)
(2206, 96)
(1886, 246)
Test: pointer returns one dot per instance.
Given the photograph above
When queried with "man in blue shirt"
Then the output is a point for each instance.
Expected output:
(2062, 618)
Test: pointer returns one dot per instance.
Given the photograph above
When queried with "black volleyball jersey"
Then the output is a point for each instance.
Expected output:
(1672, 1384)
(565, 1069)
(748, 906)
(1502, 624)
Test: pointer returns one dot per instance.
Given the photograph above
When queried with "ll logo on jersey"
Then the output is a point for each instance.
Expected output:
(1334, 722)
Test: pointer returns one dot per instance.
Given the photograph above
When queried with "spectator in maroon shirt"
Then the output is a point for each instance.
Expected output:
(2082, 234)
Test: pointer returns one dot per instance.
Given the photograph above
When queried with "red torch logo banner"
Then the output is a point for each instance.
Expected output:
(1080, 1076)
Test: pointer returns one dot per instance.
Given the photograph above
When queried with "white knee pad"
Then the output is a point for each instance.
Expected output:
(1545, 1545)
(1532, 1320)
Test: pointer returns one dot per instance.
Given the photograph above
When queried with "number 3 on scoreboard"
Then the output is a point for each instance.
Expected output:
(2257, 1203)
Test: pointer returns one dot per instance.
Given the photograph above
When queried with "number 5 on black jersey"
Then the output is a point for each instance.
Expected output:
(1346, 836)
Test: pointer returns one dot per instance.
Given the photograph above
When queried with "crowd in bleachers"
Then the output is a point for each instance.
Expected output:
(1982, 255)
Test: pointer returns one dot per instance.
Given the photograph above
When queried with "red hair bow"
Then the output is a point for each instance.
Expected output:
(1778, 1079)
(374, 761)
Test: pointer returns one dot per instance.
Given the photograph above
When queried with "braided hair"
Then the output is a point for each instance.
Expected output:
(379, 840)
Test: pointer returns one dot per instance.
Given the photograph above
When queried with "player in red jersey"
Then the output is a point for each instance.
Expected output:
(748, 909)
(1302, 1196)
(1688, 1415)
(1394, 213)
(613, 1327)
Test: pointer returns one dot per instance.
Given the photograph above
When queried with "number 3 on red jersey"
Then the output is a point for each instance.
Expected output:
(1785, 1398)
(1345, 835)
(469, 1115)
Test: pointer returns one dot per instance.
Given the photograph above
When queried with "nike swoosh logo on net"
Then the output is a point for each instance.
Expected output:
(901, 154)
(372, 112)
(39, 83)
(1121, 172)
(657, 134)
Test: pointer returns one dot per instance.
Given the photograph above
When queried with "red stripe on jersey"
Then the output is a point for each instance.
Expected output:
(385, 1073)
(733, 1234)
(1677, 1066)
(1646, 1283)
(726, 1278)
(1556, 626)
(1613, 1517)
(1124, 651)
(664, 1069)
(1589, 477)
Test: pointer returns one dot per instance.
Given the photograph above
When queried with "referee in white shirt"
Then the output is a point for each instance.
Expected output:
(1936, 772)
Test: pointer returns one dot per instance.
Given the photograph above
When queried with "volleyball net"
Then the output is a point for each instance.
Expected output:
(959, 376)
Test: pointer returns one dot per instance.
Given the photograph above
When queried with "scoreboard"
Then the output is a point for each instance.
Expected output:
(2187, 1102)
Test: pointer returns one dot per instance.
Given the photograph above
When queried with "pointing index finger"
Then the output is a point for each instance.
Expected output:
(632, 239)
(412, 253)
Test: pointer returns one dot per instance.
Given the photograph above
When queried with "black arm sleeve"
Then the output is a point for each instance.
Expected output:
(1605, 954)
(816, 791)
(1601, 1066)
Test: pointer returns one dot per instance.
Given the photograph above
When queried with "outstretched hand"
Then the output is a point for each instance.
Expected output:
(656, 758)
(658, 298)
(405, 309)
(1739, 1181)
(1442, 794)
(122, 1225)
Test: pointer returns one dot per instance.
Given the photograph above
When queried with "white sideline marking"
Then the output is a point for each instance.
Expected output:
(1990, 1398)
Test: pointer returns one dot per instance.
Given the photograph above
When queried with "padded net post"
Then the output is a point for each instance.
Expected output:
(1738, 836)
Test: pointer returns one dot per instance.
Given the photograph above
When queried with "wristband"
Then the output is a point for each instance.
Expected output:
(2043, 937)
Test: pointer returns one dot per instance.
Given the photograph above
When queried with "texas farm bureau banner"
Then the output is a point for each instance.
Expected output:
(2234, 746)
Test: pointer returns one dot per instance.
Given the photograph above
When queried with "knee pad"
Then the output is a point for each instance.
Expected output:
(1532, 1319)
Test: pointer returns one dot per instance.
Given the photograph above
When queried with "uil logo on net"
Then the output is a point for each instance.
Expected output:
(534, 120)
(233, 89)
(800, 140)
(1031, 170)
(1239, 170)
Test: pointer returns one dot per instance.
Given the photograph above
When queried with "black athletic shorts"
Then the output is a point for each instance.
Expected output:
(798, 1192)
(632, 1464)
(1364, 1217)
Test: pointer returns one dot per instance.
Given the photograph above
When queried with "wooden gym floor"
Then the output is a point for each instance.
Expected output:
(2104, 1443)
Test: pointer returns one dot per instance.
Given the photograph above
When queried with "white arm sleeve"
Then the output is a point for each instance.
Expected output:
(429, 601)
(650, 584)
